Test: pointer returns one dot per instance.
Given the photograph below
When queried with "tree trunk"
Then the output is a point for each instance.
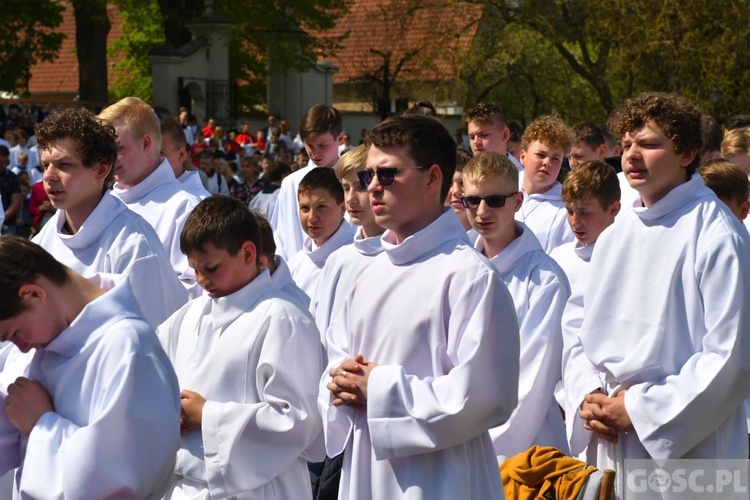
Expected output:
(92, 27)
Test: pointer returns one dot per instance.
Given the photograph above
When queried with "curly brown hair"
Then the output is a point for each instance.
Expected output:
(96, 140)
(677, 116)
(549, 130)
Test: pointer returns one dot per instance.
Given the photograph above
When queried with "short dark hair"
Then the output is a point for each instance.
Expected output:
(225, 222)
(516, 131)
(737, 121)
(588, 133)
(322, 178)
(426, 140)
(320, 120)
(712, 134)
(486, 112)
(266, 234)
(463, 157)
(422, 108)
(677, 116)
(172, 128)
(4, 151)
(95, 139)
(277, 171)
(21, 262)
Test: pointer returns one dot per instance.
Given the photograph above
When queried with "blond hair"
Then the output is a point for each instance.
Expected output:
(490, 164)
(353, 160)
(736, 142)
(139, 118)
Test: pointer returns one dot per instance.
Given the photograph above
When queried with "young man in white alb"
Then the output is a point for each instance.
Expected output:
(145, 182)
(406, 393)
(657, 366)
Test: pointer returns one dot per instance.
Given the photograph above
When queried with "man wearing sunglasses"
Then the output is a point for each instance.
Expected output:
(539, 289)
(423, 357)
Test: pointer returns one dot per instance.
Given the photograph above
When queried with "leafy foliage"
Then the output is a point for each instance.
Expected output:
(617, 48)
(32, 22)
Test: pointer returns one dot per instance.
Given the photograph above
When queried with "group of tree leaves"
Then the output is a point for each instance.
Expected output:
(278, 29)
(576, 58)
(582, 58)
(32, 23)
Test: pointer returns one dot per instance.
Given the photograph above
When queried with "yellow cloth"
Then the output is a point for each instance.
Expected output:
(544, 473)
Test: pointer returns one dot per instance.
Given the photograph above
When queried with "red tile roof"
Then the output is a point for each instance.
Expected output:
(440, 35)
(61, 75)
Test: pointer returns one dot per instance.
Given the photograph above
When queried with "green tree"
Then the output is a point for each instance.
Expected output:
(263, 31)
(27, 22)
(621, 47)
(142, 29)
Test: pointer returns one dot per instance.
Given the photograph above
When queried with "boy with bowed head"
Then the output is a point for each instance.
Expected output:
(249, 422)
(96, 414)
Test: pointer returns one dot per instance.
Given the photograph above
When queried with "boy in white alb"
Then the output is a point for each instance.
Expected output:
(730, 183)
(488, 131)
(247, 359)
(175, 149)
(146, 183)
(96, 416)
(657, 365)
(425, 325)
(321, 215)
(591, 194)
(92, 232)
(545, 142)
(344, 265)
(592, 200)
(321, 130)
(735, 147)
(539, 290)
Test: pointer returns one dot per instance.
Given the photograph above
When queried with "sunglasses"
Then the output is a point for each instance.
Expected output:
(385, 175)
(492, 201)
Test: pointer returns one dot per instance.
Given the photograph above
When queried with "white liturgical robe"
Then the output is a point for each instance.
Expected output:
(439, 322)
(545, 214)
(306, 265)
(574, 260)
(667, 319)
(164, 203)
(540, 290)
(282, 278)
(115, 429)
(257, 364)
(115, 240)
(191, 181)
(339, 273)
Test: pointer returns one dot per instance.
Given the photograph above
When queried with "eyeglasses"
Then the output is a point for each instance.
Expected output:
(385, 175)
(492, 201)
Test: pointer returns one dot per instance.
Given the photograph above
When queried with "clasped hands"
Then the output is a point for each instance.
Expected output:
(25, 404)
(349, 381)
(604, 415)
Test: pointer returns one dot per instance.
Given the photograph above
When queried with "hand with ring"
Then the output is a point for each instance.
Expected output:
(347, 381)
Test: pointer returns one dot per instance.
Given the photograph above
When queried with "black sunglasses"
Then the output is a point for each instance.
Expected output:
(492, 201)
(385, 175)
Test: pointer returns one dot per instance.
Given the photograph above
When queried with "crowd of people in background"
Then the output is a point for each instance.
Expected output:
(225, 313)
